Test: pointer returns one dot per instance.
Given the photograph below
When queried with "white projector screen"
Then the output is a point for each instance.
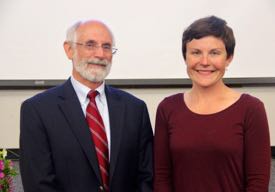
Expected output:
(147, 33)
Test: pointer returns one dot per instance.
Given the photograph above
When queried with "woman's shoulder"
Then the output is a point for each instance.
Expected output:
(170, 104)
(250, 99)
(172, 98)
(250, 102)
(171, 101)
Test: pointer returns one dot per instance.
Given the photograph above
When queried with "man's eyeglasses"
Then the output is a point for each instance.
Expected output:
(107, 48)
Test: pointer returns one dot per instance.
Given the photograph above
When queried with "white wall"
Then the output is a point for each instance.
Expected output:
(148, 35)
(10, 101)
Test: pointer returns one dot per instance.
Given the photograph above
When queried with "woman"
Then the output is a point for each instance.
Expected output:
(211, 138)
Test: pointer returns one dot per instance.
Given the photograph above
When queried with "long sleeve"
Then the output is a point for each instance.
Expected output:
(145, 175)
(257, 150)
(163, 167)
(37, 173)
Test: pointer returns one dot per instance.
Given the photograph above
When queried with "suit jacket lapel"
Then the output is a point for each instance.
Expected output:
(71, 108)
(116, 109)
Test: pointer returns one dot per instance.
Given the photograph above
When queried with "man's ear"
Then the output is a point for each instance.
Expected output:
(68, 49)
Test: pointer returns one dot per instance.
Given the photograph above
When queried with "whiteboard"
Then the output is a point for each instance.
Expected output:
(147, 33)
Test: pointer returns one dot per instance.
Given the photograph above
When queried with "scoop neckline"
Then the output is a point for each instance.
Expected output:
(215, 113)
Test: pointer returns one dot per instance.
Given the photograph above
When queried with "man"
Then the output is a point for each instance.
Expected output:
(72, 143)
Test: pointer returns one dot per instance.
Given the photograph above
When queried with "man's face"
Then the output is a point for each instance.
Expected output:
(92, 52)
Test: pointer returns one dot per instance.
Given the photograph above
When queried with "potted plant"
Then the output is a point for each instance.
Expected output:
(7, 172)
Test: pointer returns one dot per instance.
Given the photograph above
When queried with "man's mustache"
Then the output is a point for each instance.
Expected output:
(98, 61)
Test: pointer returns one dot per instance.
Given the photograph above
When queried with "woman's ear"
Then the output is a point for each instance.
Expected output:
(228, 60)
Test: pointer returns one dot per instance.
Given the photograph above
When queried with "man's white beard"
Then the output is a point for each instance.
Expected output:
(93, 74)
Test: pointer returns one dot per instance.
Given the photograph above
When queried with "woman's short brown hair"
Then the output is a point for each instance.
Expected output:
(209, 26)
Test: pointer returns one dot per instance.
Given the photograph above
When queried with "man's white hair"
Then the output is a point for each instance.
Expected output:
(71, 31)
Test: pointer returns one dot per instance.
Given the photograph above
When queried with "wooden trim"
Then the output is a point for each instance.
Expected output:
(136, 83)
(13, 153)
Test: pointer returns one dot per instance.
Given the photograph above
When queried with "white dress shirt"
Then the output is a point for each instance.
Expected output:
(101, 102)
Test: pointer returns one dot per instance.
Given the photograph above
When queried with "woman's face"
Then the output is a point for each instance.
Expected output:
(206, 60)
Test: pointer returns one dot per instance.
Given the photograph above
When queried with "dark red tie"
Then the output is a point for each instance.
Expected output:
(99, 137)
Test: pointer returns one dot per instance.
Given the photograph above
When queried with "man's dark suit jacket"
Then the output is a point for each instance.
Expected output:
(57, 152)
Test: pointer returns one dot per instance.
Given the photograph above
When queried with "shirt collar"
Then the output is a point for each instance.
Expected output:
(82, 90)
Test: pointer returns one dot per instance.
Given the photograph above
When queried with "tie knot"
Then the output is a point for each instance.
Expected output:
(92, 94)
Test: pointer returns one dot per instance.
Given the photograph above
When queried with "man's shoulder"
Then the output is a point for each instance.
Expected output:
(47, 95)
(123, 95)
